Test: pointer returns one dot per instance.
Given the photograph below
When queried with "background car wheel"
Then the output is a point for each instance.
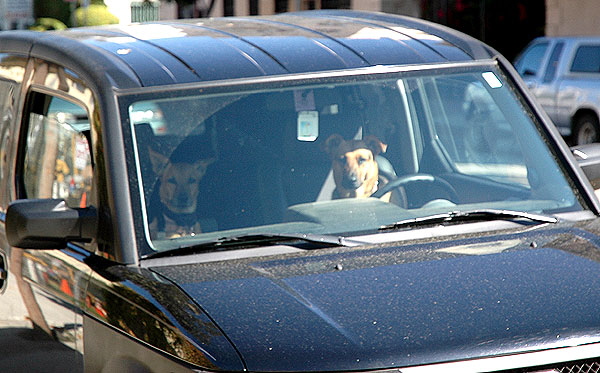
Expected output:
(586, 130)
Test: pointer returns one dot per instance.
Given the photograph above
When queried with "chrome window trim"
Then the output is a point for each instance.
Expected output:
(301, 77)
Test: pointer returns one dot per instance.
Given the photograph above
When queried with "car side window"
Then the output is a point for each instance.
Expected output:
(476, 135)
(530, 63)
(57, 161)
(553, 63)
(587, 59)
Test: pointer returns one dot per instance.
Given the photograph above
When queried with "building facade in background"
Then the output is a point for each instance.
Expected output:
(16, 14)
(571, 18)
(506, 25)
(130, 11)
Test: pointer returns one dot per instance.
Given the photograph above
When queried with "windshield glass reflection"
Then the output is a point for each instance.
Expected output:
(338, 155)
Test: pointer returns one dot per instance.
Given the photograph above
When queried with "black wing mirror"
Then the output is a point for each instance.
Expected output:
(48, 224)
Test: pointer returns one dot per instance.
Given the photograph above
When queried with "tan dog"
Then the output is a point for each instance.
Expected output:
(178, 195)
(355, 170)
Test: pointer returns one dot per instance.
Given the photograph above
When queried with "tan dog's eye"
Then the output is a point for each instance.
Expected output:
(361, 160)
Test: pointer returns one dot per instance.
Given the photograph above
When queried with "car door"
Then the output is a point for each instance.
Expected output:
(538, 66)
(579, 88)
(53, 160)
(23, 344)
(548, 90)
(12, 71)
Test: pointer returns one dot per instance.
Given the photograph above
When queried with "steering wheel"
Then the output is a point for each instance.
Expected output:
(405, 180)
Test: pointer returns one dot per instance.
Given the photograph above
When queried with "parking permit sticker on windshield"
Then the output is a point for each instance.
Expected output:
(308, 125)
(491, 79)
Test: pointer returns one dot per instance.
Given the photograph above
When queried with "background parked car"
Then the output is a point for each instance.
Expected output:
(564, 74)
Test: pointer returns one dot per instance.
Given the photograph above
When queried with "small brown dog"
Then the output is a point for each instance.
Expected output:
(178, 195)
(355, 169)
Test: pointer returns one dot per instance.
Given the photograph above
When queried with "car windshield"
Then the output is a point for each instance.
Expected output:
(337, 153)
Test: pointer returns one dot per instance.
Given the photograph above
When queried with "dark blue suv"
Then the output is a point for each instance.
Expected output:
(327, 191)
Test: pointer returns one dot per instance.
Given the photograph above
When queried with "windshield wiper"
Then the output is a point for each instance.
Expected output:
(258, 240)
(470, 216)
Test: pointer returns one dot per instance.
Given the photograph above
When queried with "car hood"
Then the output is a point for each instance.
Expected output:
(390, 306)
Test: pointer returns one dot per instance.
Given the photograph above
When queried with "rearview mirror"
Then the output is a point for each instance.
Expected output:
(48, 224)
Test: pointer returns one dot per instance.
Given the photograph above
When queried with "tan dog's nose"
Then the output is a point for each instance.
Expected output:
(350, 179)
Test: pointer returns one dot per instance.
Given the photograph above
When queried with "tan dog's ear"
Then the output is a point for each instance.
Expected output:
(203, 164)
(375, 145)
(158, 160)
(332, 143)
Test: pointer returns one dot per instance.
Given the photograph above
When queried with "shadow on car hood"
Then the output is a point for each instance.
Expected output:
(389, 306)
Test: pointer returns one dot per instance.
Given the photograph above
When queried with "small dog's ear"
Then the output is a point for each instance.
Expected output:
(158, 160)
(203, 164)
(332, 143)
(375, 145)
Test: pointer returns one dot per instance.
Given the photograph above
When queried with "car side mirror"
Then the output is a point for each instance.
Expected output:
(48, 224)
(588, 158)
(528, 72)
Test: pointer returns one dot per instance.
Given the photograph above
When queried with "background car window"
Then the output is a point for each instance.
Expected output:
(530, 62)
(553, 63)
(57, 160)
(587, 59)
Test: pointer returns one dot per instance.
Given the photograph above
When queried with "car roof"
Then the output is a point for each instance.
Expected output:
(186, 51)
(568, 39)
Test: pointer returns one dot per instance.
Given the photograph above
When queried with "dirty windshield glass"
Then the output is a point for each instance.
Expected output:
(338, 155)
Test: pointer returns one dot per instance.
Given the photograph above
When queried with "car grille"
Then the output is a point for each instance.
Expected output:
(584, 358)
(587, 366)
(583, 368)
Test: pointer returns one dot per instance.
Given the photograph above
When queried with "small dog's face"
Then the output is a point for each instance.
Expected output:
(355, 169)
(179, 182)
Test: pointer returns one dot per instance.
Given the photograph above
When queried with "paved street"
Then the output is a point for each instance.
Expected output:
(12, 307)
(24, 349)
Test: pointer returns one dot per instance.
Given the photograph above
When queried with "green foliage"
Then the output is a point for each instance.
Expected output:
(57, 9)
(94, 15)
(44, 24)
